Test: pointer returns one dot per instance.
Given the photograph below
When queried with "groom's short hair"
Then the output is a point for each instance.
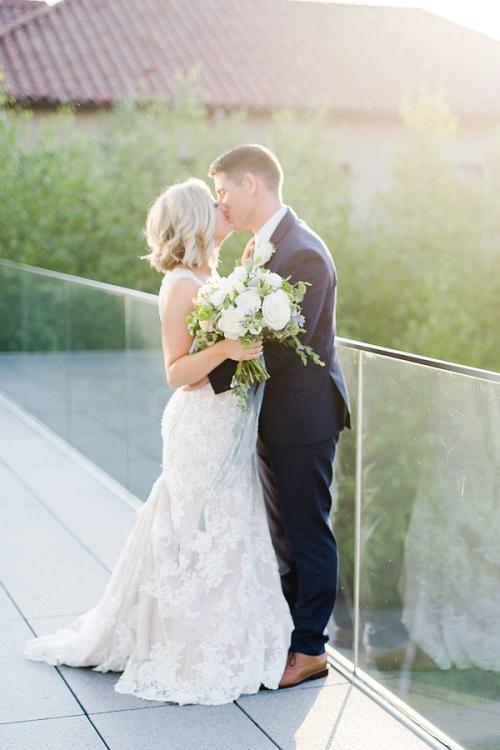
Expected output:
(250, 158)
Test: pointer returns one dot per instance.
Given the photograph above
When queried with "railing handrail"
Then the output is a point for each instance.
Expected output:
(113, 288)
(437, 364)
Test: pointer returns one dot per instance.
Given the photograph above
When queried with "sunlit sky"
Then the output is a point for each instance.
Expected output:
(482, 15)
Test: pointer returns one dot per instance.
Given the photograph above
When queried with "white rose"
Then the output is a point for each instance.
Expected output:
(231, 323)
(239, 273)
(276, 310)
(263, 252)
(273, 279)
(220, 291)
(235, 281)
(249, 301)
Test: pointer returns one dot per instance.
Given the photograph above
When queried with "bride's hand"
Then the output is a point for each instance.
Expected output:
(234, 349)
(248, 251)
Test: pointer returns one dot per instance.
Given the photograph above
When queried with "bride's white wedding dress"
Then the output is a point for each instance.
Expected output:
(193, 611)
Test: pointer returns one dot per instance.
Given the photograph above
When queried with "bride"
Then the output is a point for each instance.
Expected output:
(193, 611)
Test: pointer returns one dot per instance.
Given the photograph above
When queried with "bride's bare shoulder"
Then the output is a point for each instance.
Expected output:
(176, 294)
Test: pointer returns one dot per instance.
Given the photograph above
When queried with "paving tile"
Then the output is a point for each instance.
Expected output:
(54, 581)
(28, 528)
(23, 452)
(7, 610)
(13, 428)
(95, 690)
(29, 690)
(75, 732)
(181, 728)
(107, 553)
(10, 484)
(339, 717)
(92, 511)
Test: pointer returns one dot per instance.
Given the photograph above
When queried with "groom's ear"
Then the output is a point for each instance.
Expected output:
(250, 182)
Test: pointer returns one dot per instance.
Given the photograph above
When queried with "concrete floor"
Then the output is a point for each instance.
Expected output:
(55, 560)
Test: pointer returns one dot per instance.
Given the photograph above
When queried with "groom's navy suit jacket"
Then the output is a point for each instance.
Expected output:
(302, 404)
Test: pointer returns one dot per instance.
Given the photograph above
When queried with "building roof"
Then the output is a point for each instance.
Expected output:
(12, 11)
(260, 54)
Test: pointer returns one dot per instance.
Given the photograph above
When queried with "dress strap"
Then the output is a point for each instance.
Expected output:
(186, 272)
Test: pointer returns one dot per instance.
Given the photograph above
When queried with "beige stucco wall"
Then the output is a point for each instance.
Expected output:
(368, 149)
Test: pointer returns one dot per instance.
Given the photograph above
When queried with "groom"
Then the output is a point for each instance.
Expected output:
(304, 408)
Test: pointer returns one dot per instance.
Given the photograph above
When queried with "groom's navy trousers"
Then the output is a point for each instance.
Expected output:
(296, 485)
(304, 409)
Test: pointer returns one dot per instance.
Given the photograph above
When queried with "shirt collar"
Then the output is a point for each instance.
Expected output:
(265, 233)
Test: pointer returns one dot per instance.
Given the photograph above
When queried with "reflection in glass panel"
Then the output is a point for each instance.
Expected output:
(430, 555)
(36, 374)
(341, 626)
(148, 394)
(14, 364)
(12, 329)
(97, 378)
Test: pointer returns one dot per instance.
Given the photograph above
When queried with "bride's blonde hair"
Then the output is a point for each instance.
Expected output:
(180, 226)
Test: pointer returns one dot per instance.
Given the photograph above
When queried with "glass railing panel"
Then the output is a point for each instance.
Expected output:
(430, 552)
(341, 626)
(97, 375)
(147, 394)
(46, 392)
(14, 364)
(34, 345)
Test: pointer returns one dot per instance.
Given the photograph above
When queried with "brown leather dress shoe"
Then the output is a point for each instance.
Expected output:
(303, 667)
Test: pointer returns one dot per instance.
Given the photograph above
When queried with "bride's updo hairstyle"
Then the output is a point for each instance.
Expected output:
(180, 226)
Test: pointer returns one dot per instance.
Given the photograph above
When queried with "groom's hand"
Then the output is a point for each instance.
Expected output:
(195, 386)
(248, 251)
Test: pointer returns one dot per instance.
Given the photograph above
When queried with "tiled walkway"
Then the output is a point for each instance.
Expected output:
(61, 528)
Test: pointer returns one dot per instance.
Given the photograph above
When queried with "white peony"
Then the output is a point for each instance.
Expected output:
(276, 310)
(231, 323)
(249, 301)
(263, 252)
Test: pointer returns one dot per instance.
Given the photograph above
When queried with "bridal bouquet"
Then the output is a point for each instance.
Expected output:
(251, 303)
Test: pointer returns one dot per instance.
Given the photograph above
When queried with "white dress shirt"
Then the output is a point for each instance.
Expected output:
(265, 233)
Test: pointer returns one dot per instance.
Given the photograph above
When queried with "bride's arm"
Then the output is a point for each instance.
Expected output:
(182, 368)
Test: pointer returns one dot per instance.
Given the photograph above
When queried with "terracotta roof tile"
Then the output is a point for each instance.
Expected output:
(259, 54)
(14, 11)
